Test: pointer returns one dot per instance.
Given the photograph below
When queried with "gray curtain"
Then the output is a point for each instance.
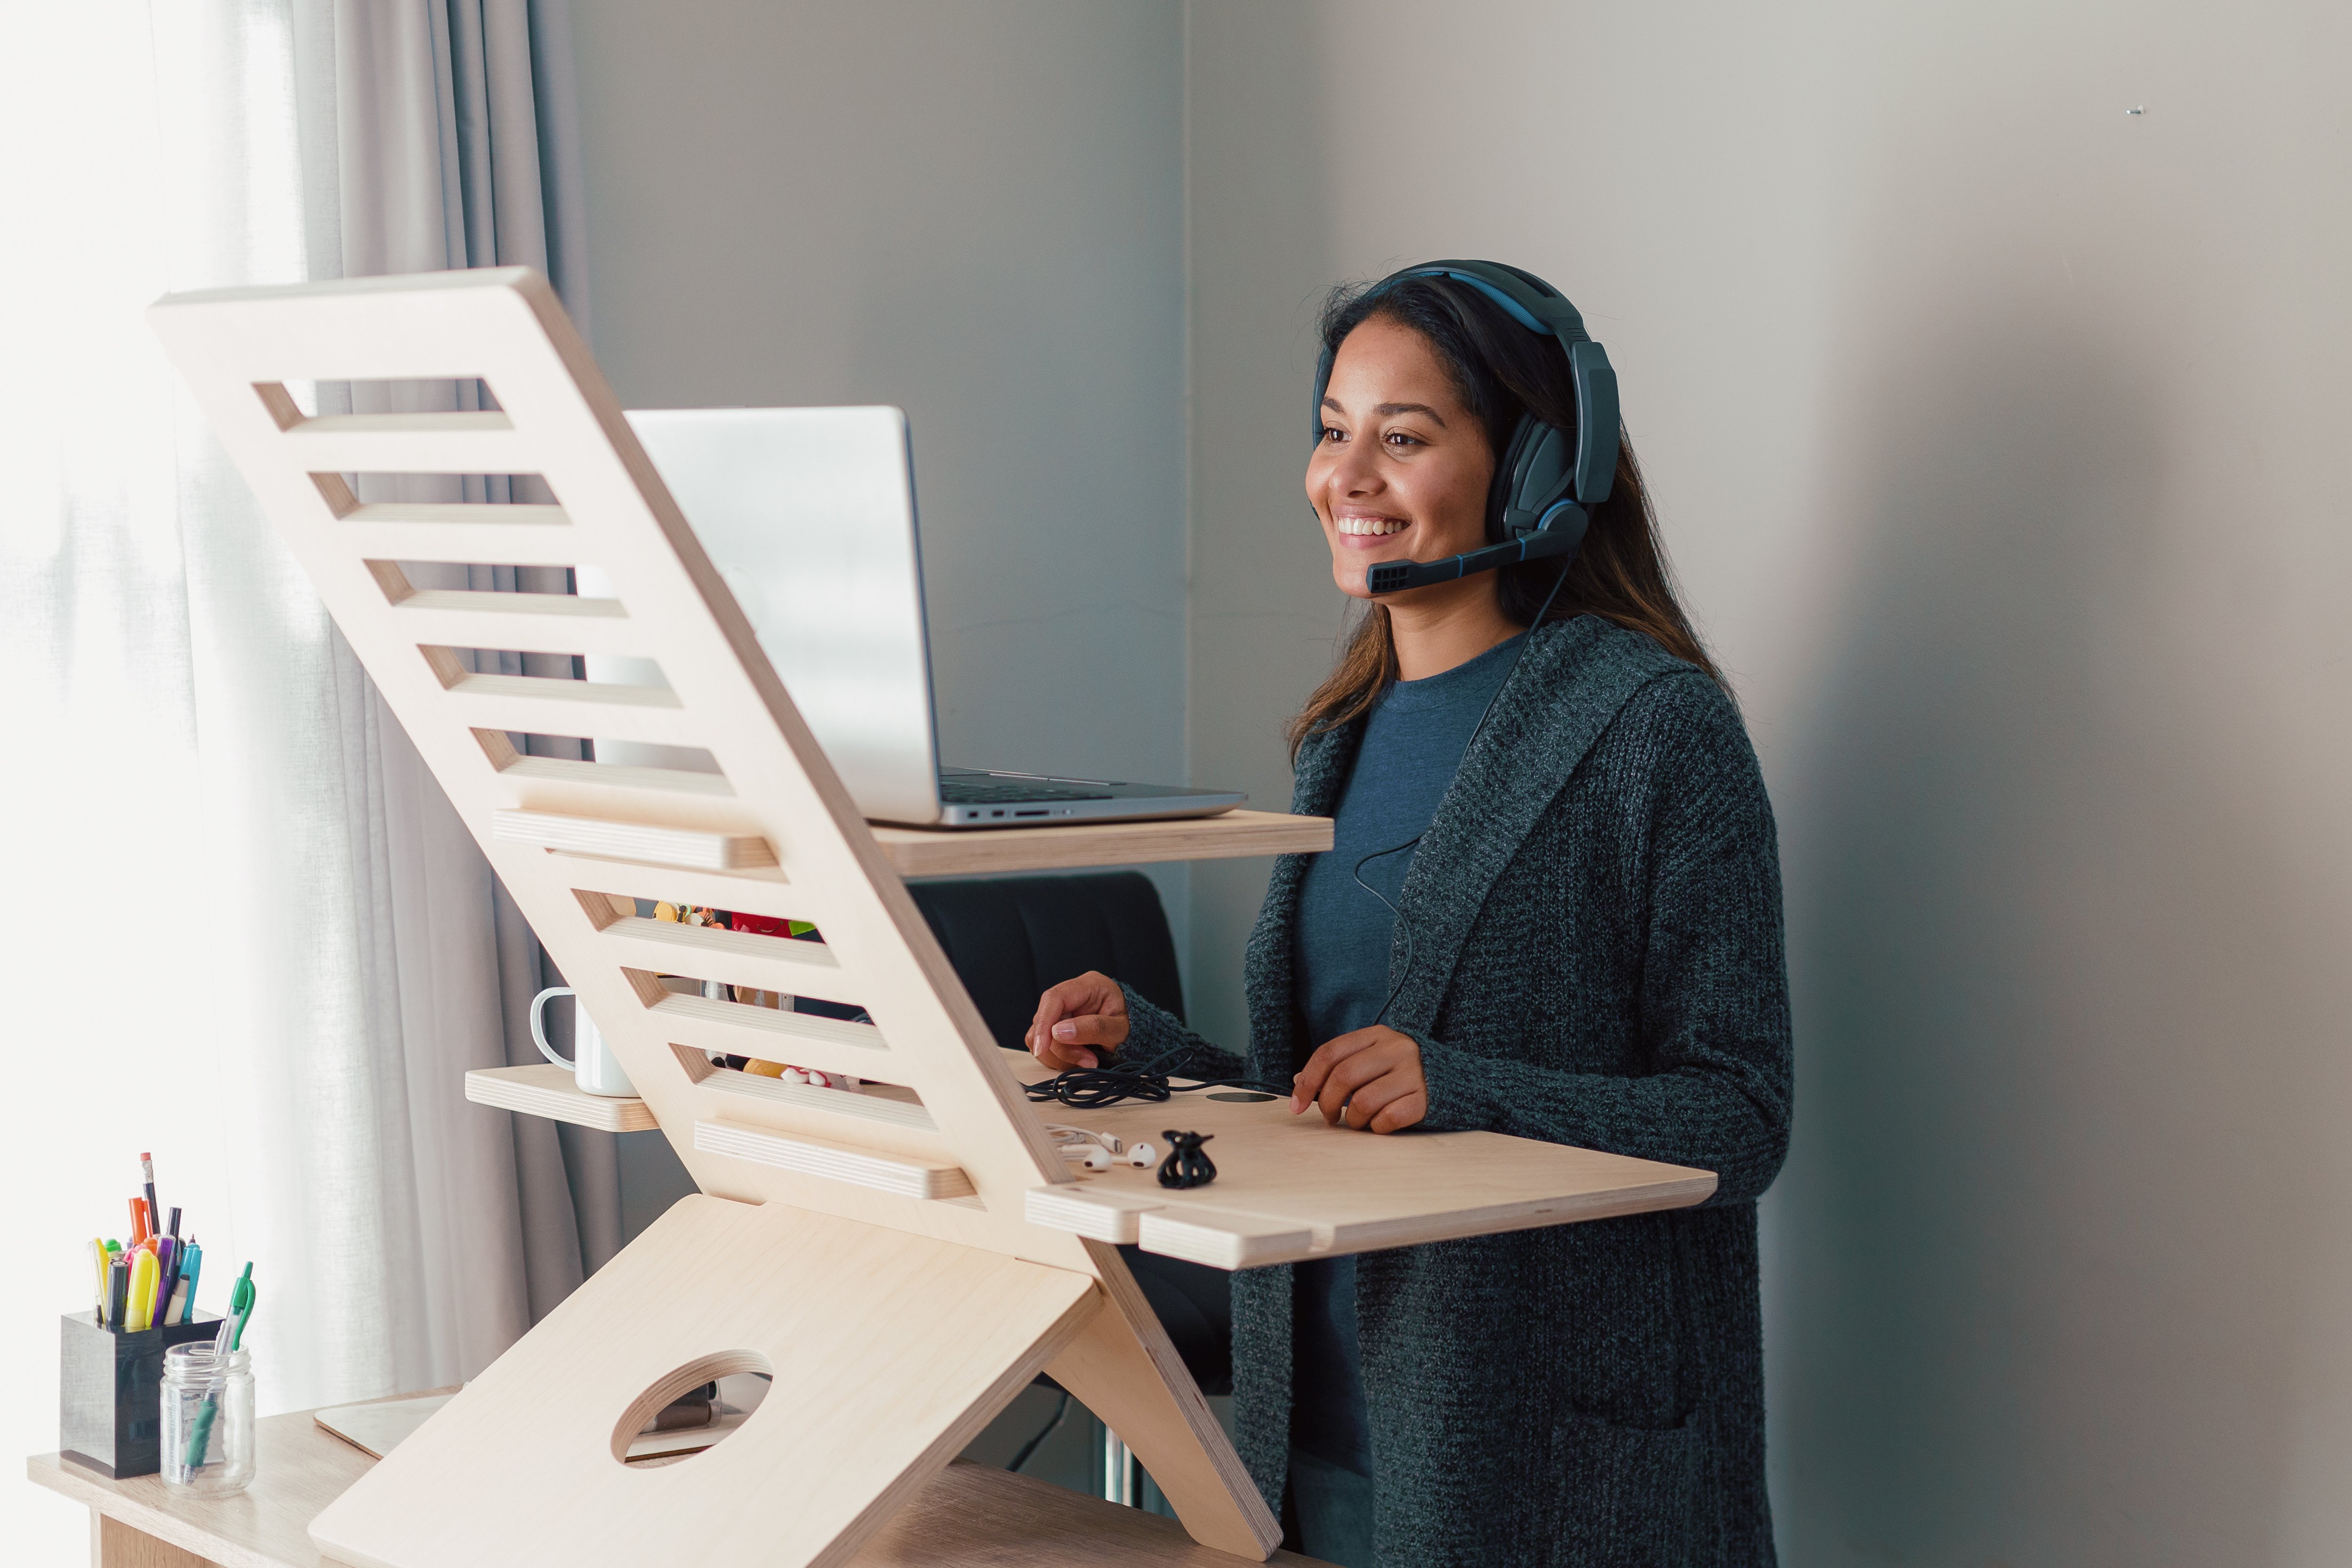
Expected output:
(437, 134)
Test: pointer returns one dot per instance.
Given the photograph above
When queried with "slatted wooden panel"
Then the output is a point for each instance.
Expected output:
(772, 833)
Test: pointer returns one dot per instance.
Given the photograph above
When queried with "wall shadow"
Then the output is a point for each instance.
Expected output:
(2035, 1259)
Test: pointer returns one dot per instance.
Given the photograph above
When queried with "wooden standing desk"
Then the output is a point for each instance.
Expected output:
(968, 1514)
(903, 1261)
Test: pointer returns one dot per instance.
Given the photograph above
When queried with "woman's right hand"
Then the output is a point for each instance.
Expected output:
(1078, 1019)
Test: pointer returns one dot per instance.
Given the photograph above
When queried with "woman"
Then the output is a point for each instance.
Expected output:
(1590, 951)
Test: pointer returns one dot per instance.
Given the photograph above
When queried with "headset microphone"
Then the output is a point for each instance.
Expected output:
(1545, 495)
(1559, 533)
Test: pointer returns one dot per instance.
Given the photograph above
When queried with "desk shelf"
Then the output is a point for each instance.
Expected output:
(999, 851)
(1294, 1187)
(544, 1089)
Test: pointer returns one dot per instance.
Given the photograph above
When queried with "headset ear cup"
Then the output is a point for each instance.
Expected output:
(1539, 476)
(1501, 495)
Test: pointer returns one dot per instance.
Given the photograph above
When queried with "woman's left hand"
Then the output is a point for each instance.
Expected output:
(1367, 1079)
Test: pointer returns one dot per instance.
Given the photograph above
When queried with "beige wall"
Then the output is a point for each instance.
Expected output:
(975, 211)
(1999, 442)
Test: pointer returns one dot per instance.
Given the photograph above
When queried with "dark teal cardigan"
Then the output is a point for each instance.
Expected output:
(1596, 910)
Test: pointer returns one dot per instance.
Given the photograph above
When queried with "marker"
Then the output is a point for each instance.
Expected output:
(138, 1222)
(177, 1312)
(98, 1256)
(190, 1272)
(143, 1292)
(117, 1290)
(175, 1222)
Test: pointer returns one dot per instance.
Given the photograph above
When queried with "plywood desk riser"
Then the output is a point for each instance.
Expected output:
(864, 1228)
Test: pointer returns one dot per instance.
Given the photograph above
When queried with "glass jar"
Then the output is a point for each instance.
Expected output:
(207, 1419)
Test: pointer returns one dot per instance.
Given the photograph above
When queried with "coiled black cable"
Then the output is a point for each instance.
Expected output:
(1116, 1083)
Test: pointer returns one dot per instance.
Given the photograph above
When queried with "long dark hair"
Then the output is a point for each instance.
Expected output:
(1501, 371)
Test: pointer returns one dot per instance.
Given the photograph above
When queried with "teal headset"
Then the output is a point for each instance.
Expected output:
(1547, 484)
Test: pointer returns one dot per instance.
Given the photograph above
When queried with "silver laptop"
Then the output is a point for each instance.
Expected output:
(808, 514)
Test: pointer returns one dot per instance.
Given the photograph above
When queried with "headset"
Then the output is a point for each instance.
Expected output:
(1543, 496)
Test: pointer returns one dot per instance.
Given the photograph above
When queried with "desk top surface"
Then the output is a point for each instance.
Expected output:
(969, 1514)
(1292, 1187)
(1003, 851)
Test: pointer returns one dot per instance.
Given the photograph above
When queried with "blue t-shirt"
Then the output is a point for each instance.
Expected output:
(1412, 749)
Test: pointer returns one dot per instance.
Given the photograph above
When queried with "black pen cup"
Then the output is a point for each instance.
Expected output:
(109, 1391)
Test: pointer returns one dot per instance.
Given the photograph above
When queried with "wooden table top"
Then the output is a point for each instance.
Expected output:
(1003, 851)
(1291, 1187)
(970, 1515)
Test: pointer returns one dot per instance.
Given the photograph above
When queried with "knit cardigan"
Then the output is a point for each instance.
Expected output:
(1597, 961)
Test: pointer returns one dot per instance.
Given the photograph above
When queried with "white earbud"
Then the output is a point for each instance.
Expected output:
(1142, 1156)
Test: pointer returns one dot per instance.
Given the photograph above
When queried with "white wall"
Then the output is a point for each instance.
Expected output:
(1999, 445)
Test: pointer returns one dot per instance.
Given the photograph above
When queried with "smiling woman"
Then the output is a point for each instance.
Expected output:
(1438, 378)
(1552, 909)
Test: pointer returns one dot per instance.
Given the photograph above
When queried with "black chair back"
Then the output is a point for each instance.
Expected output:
(1011, 937)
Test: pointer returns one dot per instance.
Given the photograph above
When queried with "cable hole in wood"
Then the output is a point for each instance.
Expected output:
(663, 1400)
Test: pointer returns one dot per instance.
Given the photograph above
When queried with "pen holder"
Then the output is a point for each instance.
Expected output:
(207, 1420)
(109, 1390)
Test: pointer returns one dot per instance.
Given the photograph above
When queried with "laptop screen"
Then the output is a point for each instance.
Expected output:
(809, 514)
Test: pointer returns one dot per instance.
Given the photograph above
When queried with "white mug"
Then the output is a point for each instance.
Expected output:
(597, 1071)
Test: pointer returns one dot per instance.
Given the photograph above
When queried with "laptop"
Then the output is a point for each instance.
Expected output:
(809, 514)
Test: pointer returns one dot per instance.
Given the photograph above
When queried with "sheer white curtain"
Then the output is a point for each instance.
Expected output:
(239, 925)
(427, 128)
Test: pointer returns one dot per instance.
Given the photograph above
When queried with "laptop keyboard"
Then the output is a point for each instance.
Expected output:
(972, 792)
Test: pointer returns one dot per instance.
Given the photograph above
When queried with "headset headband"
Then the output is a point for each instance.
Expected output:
(1526, 298)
